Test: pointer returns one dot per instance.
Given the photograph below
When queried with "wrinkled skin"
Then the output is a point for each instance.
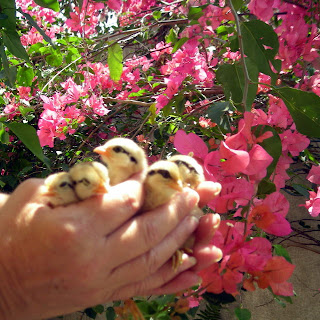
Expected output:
(59, 260)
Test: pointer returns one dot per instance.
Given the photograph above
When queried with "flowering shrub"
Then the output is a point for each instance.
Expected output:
(236, 85)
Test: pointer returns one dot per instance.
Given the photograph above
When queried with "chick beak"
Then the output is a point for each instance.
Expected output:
(176, 185)
(101, 188)
(49, 193)
(102, 150)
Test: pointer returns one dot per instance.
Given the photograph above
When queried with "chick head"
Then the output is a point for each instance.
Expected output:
(89, 178)
(162, 182)
(123, 158)
(58, 189)
(190, 170)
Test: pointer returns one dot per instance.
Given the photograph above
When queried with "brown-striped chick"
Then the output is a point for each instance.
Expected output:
(192, 175)
(123, 158)
(162, 182)
(58, 190)
(89, 179)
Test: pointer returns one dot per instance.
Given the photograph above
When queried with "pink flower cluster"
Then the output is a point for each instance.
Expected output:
(85, 20)
(64, 112)
(245, 262)
(297, 39)
(186, 62)
(313, 204)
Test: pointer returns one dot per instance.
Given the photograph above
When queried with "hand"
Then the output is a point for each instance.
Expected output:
(56, 261)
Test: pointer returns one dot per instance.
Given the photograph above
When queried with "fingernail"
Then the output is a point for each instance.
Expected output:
(219, 254)
(189, 260)
(216, 221)
(218, 188)
(192, 198)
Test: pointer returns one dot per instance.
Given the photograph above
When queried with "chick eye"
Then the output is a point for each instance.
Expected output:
(85, 181)
(165, 174)
(133, 159)
(117, 149)
(151, 173)
(63, 184)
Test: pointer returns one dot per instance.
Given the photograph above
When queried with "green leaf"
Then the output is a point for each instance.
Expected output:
(272, 145)
(266, 187)
(51, 4)
(153, 114)
(242, 314)
(11, 40)
(195, 13)
(179, 44)
(25, 76)
(304, 109)
(260, 45)
(156, 14)
(279, 250)
(115, 58)
(54, 59)
(36, 26)
(8, 9)
(232, 78)
(110, 314)
(218, 113)
(172, 36)
(28, 136)
(301, 189)
(7, 70)
(99, 308)
(90, 313)
(237, 4)
(4, 136)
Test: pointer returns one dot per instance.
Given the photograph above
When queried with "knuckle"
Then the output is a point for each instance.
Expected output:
(150, 232)
(151, 262)
(130, 202)
(29, 186)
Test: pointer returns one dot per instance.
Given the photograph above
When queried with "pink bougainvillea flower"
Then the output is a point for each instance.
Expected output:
(314, 174)
(261, 216)
(234, 160)
(275, 274)
(186, 143)
(313, 204)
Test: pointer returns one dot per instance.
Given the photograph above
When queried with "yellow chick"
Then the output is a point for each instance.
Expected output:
(162, 182)
(89, 178)
(190, 170)
(123, 158)
(192, 175)
(58, 190)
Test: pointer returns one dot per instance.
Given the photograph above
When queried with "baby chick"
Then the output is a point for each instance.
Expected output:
(58, 190)
(162, 182)
(89, 179)
(190, 170)
(123, 158)
(192, 175)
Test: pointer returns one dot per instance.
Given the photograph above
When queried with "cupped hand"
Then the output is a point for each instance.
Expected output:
(58, 260)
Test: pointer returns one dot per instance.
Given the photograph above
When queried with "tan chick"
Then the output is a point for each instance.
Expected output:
(162, 182)
(89, 178)
(58, 190)
(192, 175)
(123, 158)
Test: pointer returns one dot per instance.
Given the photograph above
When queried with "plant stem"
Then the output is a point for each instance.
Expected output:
(245, 69)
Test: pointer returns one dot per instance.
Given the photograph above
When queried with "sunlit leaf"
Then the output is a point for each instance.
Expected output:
(25, 76)
(51, 4)
(115, 58)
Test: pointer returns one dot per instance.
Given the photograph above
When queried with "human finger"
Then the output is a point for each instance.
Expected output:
(145, 231)
(114, 208)
(208, 225)
(148, 263)
(165, 280)
(206, 255)
(207, 191)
